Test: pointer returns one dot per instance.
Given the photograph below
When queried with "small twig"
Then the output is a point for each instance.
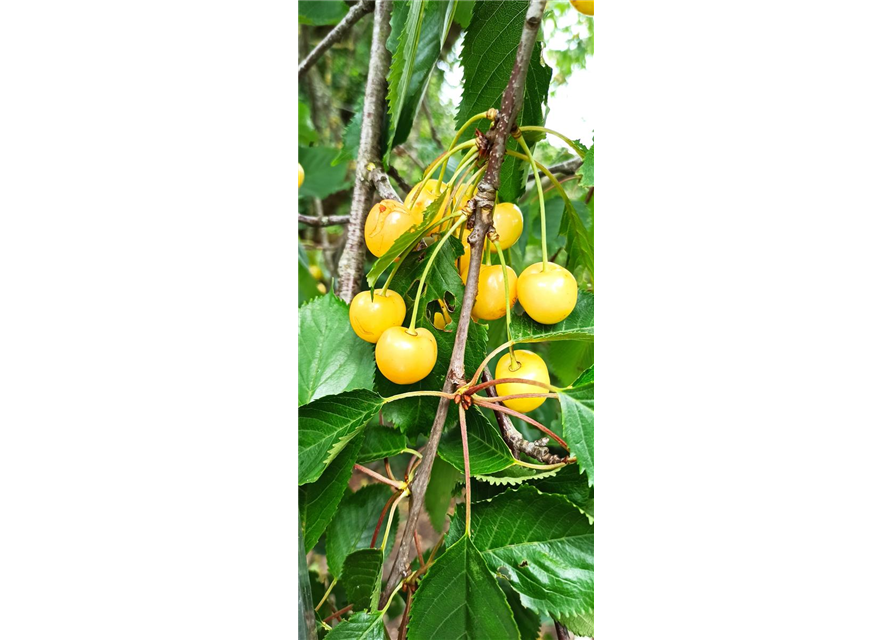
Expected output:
(339, 31)
(403, 623)
(525, 418)
(568, 166)
(379, 180)
(561, 631)
(403, 184)
(338, 613)
(324, 221)
(378, 476)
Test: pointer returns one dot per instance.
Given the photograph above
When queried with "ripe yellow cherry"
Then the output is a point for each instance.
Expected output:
(442, 318)
(387, 221)
(404, 358)
(300, 174)
(316, 272)
(530, 367)
(320, 287)
(428, 194)
(370, 315)
(508, 222)
(490, 301)
(547, 296)
(586, 7)
(464, 261)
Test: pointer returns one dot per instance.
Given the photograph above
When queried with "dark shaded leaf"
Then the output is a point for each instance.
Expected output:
(318, 502)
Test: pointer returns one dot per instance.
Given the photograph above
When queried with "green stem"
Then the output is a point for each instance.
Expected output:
(384, 541)
(418, 297)
(459, 133)
(325, 597)
(555, 182)
(508, 302)
(539, 189)
(438, 163)
(413, 452)
(542, 467)
(570, 143)
(402, 257)
(413, 394)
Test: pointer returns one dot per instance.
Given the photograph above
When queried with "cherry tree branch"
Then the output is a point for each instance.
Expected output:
(323, 221)
(567, 167)
(353, 16)
(350, 266)
(511, 104)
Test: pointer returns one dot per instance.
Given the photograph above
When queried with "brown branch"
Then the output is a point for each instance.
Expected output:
(338, 613)
(561, 631)
(324, 221)
(403, 184)
(511, 104)
(350, 266)
(382, 185)
(567, 167)
(353, 16)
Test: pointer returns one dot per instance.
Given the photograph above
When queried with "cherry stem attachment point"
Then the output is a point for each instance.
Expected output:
(372, 474)
(521, 416)
(480, 369)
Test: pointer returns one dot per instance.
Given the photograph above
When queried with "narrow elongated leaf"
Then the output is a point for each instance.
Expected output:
(458, 599)
(354, 523)
(306, 133)
(360, 626)
(587, 169)
(362, 577)
(318, 502)
(409, 238)
(321, 179)
(579, 325)
(321, 12)
(381, 442)
(580, 241)
(578, 423)
(327, 425)
(420, 39)
(488, 56)
(415, 415)
(540, 543)
(439, 492)
(333, 358)
(487, 451)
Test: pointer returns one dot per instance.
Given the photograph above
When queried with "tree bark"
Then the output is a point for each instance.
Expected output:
(350, 266)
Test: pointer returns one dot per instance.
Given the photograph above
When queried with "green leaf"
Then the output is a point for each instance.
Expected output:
(462, 17)
(327, 425)
(540, 543)
(415, 415)
(321, 12)
(439, 493)
(580, 241)
(579, 325)
(408, 238)
(569, 484)
(360, 626)
(320, 178)
(361, 576)
(381, 442)
(306, 133)
(515, 475)
(422, 32)
(585, 378)
(581, 624)
(458, 599)
(578, 424)
(354, 523)
(487, 451)
(318, 502)
(528, 621)
(307, 289)
(333, 358)
(350, 139)
(488, 56)
(587, 169)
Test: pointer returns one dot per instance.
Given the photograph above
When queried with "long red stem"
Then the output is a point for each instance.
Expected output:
(387, 506)
(490, 383)
(521, 416)
(464, 430)
(339, 612)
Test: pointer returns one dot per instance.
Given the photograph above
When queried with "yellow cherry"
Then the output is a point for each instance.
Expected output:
(442, 318)
(547, 296)
(370, 315)
(320, 287)
(316, 272)
(508, 222)
(586, 7)
(387, 221)
(529, 367)
(490, 301)
(300, 174)
(404, 357)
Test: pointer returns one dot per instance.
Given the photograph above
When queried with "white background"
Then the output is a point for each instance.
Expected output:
(751, 279)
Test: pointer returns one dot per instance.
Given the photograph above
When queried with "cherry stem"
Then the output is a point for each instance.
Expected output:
(413, 394)
(468, 123)
(545, 467)
(508, 302)
(480, 369)
(521, 416)
(378, 476)
(384, 510)
(570, 143)
(419, 293)
(339, 612)
(403, 494)
(555, 181)
(518, 396)
(490, 383)
(539, 190)
(326, 594)
(464, 429)
(440, 161)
